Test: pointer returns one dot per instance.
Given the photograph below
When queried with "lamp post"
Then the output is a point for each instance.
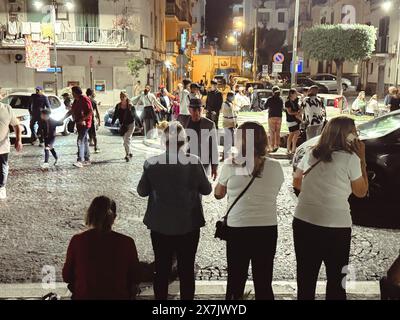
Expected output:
(387, 6)
(53, 8)
(255, 53)
(295, 41)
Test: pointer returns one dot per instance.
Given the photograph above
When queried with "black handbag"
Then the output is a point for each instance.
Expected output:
(221, 227)
(71, 126)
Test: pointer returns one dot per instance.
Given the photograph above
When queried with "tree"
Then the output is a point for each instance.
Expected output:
(270, 41)
(339, 43)
(135, 65)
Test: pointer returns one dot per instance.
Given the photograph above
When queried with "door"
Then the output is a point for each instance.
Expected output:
(87, 20)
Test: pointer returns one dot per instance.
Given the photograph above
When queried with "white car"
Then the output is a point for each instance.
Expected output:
(330, 81)
(21, 101)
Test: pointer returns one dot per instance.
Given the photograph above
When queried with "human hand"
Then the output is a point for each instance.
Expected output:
(359, 148)
(18, 145)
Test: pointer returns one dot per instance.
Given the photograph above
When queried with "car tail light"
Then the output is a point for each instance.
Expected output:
(336, 103)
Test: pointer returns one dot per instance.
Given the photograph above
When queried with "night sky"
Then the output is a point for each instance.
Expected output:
(217, 17)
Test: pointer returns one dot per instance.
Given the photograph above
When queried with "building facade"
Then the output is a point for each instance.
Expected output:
(95, 40)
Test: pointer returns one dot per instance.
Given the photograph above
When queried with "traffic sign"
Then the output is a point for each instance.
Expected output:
(265, 70)
(279, 58)
(300, 66)
(277, 68)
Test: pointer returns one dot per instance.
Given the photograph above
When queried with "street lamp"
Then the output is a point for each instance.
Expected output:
(69, 5)
(387, 6)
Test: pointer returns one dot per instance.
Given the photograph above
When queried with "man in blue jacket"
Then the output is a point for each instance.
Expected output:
(39, 102)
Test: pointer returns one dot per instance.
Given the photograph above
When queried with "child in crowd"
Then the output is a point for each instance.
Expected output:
(47, 130)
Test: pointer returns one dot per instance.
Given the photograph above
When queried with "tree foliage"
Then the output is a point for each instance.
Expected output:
(135, 65)
(269, 42)
(340, 42)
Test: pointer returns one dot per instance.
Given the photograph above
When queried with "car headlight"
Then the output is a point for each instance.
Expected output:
(23, 118)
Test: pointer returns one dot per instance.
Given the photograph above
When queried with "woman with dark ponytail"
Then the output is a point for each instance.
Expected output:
(101, 264)
(252, 183)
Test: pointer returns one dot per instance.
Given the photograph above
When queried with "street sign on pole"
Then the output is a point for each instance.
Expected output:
(265, 70)
(300, 66)
(277, 68)
(278, 58)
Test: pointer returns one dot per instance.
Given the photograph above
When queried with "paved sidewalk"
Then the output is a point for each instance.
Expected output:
(205, 290)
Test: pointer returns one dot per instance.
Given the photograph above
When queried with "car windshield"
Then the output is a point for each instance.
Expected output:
(17, 102)
(380, 127)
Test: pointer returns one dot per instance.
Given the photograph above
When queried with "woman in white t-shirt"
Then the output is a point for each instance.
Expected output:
(252, 220)
(327, 175)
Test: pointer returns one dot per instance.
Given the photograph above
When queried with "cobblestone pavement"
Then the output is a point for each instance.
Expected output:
(45, 209)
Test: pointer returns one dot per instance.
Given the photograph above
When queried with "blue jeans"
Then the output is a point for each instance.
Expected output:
(83, 145)
(3, 169)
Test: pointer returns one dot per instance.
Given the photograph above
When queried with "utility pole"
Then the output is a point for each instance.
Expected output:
(295, 41)
(255, 60)
(54, 22)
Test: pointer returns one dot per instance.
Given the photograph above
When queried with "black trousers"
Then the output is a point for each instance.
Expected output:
(255, 244)
(214, 117)
(314, 245)
(165, 248)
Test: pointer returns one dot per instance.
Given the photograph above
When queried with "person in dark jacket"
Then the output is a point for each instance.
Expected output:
(214, 103)
(101, 264)
(96, 116)
(125, 112)
(174, 182)
(274, 105)
(47, 132)
(38, 102)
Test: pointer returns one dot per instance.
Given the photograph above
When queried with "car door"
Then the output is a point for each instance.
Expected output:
(57, 110)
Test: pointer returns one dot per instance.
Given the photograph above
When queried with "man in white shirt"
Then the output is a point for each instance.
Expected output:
(7, 119)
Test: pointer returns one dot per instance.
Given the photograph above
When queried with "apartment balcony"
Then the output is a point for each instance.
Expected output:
(182, 15)
(382, 45)
(172, 48)
(80, 38)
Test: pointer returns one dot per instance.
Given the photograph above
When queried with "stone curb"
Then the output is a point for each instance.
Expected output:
(363, 289)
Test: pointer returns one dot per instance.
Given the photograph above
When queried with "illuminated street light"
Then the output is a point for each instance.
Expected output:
(69, 5)
(38, 5)
(387, 5)
(232, 40)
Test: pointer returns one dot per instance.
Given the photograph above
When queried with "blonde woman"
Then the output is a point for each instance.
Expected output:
(326, 176)
(359, 105)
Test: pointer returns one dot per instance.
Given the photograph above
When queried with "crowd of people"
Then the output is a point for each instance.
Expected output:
(103, 264)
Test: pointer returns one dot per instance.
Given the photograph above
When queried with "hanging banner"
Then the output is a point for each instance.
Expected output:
(37, 54)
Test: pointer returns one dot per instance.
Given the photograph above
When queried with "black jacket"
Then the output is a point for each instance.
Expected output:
(38, 103)
(47, 129)
(123, 117)
(214, 101)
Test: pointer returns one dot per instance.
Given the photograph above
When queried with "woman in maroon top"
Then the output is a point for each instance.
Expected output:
(101, 264)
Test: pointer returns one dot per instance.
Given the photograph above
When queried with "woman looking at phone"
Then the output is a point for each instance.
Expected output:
(326, 176)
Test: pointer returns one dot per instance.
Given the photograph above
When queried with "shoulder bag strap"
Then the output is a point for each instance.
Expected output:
(312, 167)
(239, 196)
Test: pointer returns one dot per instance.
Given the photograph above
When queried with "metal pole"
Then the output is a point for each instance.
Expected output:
(295, 40)
(255, 60)
(54, 22)
(398, 54)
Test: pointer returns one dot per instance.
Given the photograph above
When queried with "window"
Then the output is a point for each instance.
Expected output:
(265, 17)
(281, 17)
(54, 102)
(371, 68)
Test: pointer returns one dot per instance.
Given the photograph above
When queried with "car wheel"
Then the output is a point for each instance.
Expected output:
(345, 86)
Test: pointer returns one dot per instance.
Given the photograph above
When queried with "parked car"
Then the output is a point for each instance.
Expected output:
(335, 101)
(114, 128)
(330, 81)
(382, 145)
(260, 98)
(257, 85)
(21, 101)
(241, 81)
(304, 83)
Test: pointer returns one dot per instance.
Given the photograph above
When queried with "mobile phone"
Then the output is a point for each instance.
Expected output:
(351, 138)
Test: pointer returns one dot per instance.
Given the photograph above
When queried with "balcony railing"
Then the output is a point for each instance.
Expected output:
(81, 36)
(172, 9)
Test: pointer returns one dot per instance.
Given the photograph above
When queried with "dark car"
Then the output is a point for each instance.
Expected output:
(382, 145)
(304, 83)
(114, 128)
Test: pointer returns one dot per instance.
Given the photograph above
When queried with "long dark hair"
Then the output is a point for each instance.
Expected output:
(101, 214)
(334, 138)
(260, 145)
(128, 102)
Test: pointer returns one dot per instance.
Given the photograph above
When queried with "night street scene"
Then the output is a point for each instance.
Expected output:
(206, 150)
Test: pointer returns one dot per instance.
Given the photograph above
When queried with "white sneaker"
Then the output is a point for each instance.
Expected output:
(78, 164)
(45, 166)
(3, 193)
(87, 163)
